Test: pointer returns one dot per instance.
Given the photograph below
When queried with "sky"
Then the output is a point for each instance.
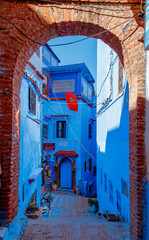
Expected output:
(82, 52)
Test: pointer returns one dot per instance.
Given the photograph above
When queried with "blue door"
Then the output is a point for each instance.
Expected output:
(66, 174)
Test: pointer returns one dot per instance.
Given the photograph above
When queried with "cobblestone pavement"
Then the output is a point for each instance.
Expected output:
(71, 220)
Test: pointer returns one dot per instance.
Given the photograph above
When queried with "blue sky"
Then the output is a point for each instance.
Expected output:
(82, 52)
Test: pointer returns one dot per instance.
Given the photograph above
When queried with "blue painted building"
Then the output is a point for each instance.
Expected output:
(33, 85)
(112, 134)
(70, 137)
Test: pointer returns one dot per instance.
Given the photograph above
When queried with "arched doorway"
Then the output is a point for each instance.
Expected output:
(66, 173)
(41, 22)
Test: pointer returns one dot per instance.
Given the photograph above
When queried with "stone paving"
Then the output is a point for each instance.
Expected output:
(71, 220)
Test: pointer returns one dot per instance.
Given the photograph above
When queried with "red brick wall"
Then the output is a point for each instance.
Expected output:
(42, 22)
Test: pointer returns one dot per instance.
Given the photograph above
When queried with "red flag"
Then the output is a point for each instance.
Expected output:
(71, 101)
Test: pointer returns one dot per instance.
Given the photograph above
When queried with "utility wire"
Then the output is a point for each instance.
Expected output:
(69, 43)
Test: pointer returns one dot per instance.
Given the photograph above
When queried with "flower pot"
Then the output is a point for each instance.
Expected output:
(54, 187)
(34, 215)
(92, 208)
(112, 217)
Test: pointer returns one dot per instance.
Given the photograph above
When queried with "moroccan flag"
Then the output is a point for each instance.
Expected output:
(71, 101)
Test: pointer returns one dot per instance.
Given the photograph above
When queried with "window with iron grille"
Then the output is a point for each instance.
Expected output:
(94, 171)
(32, 101)
(120, 77)
(90, 164)
(124, 187)
(67, 85)
(85, 166)
(61, 129)
(118, 195)
(45, 131)
(90, 131)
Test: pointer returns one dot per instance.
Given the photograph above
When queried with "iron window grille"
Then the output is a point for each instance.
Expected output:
(118, 195)
(90, 131)
(110, 191)
(105, 182)
(90, 164)
(61, 129)
(85, 166)
(32, 101)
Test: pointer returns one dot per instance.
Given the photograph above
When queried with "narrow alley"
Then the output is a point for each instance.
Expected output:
(71, 219)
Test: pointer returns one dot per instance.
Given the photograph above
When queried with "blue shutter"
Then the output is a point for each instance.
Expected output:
(54, 130)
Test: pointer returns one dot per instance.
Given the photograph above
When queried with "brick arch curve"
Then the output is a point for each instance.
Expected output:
(42, 24)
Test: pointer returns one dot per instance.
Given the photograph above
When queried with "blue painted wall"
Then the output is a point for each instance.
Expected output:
(112, 138)
(76, 132)
(30, 147)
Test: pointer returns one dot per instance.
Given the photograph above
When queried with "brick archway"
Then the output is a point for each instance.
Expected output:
(41, 22)
(57, 173)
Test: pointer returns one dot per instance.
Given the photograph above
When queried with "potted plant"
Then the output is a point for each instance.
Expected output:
(42, 189)
(33, 211)
(55, 166)
(54, 186)
(46, 200)
(74, 167)
(93, 205)
(105, 213)
(99, 215)
(43, 165)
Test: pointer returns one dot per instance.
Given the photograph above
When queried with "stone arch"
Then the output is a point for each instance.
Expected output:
(41, 22)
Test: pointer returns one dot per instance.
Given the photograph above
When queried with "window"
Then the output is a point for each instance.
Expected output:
(124, 187)
(120, 77)
(85, 166)
(32, 101)
(45, 131)
(61, 129)
(90, 93)
(90, 131)
(105, 182)
(84, 88)
(94, 171)
(90, 164)
(110, 191)
(53, 61)
(118, 195)
(46, 55)
(63, 85)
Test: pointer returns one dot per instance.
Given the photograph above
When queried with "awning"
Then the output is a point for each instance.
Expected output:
(35, 174)
(66, 153)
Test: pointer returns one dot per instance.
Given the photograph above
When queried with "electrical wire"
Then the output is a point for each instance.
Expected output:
(73, 42)
(114, 61)
(76, 136)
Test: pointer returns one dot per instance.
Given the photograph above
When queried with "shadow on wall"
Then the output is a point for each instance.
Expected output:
(113, 165)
